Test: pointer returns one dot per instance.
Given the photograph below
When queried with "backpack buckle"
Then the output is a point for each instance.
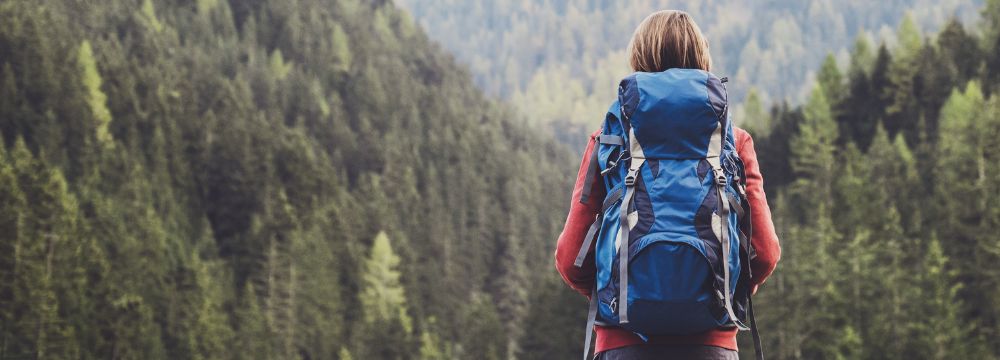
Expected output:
(721, 180)
(630, 177)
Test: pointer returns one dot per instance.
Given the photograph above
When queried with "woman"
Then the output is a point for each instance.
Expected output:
(665, 40)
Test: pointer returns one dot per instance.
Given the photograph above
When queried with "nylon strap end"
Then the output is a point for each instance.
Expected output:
(587, 241)
(592, 171)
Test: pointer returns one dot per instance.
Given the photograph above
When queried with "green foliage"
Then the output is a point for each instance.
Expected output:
(432, 347)
(862, 266)
(203, 180)
(383, 298)
(345, 354)
(149, 14)
(909, 37)
(341, 48)
(754, 115)
(831, 81)
(483, 334)
(96, 98)
(813, 150)
(862, 57)
(278, 65)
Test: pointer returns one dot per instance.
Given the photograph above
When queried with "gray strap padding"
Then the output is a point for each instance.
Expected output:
(589, 239)
(591, 319)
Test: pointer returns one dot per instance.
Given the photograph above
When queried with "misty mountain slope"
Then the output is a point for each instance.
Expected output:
(559, 61)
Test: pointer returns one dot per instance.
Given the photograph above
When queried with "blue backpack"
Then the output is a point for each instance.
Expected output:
(676, 203)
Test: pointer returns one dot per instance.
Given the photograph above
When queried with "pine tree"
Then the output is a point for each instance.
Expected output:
(908, 36)
(755, 118)
(482, 337)
(862, 58)
(211, 335)
(96, 98)
(960, 159)
(12, 112)
(341, 48)
(903, 109)
(832, 82)
(383, 299)
(859, 92)
(856, 204)
(40, 280)
(813, 160)
(149, 14)
(960, 53)
(279, 67)
(814, 149)
(345, 354)
(552, 309)
(942, 334)
(963, 176)
(991, 42)
(431, 345)
(252, 334)
(12, 300)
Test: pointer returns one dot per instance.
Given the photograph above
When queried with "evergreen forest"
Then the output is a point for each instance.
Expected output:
(559, 61)
(320, 179)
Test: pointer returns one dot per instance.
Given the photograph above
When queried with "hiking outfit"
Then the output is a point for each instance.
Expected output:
(668, 179)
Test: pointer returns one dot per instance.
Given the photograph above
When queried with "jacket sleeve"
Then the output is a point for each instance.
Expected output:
(764, 238)
(581, 216)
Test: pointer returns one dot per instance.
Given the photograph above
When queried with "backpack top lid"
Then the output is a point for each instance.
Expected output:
(674, 112)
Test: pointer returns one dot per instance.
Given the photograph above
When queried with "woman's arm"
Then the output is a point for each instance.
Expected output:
(581, 216)
(764, 239)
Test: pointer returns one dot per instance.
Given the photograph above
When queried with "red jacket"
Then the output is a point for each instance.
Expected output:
(581, 215)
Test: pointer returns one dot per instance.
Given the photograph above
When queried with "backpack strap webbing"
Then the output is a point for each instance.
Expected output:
(591, 319)
(594, 168)
(636, 160)
(587, 241)
(610, 139)
(757, 347)
(610, 200)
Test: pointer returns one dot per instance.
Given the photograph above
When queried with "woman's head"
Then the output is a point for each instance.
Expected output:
(668, 39)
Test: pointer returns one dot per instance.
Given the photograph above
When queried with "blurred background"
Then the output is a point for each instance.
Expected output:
(348, 179)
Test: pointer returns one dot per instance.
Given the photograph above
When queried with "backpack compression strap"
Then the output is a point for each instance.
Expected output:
(596, 226)
(720, 221)
(637, 159)
(584, 250)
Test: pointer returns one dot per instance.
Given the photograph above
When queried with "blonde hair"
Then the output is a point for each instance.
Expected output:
(668, 39)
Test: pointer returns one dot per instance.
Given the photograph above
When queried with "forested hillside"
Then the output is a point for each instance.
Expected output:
(317, 179)
(560, 61)
(306, 179)
(885, 184)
